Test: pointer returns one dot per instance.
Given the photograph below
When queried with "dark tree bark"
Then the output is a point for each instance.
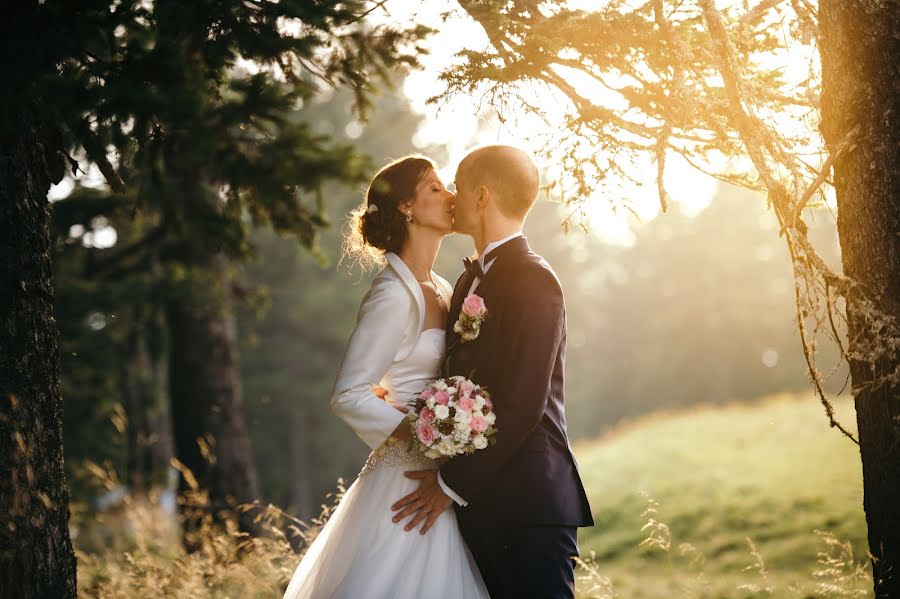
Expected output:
(36, 557)
(207, 399)
(860, 47)
(144, 382)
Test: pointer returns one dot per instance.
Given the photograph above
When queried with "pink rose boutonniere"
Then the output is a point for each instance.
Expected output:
(473, 313)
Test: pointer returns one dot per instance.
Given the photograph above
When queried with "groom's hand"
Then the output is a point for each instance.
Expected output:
(426, 503)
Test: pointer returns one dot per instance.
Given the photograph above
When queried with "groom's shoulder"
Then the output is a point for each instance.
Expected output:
(533, 268)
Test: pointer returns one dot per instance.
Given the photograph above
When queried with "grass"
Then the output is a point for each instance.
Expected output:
(715, 502)
(735, 495)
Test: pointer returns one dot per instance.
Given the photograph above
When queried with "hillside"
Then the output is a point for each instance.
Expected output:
(772, 471)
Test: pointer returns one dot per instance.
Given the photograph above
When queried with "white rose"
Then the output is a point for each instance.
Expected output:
(446, 448)
(430, 403)
(480, 441)
(479, 402)
(441, 412)
(462, 416)
(491, 418)
(440, 385)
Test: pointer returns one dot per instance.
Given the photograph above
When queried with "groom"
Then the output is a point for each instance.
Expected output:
(520, 501)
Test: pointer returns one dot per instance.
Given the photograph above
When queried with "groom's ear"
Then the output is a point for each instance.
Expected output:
(483, 195)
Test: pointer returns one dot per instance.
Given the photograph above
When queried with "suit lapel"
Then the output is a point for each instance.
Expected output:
(502, 256)
(503, 253)
(459, 294)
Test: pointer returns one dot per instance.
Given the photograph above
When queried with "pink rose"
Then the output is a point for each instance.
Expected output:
(427, 394)
(466, 404)
(426, 416)
(425, 433)
(442, 398)
(466, 387)
(479, 424)
(473, 306)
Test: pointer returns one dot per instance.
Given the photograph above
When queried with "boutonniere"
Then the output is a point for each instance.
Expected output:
(473, 313)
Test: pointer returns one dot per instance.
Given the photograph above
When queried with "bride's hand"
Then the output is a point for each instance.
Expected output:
(382, 394)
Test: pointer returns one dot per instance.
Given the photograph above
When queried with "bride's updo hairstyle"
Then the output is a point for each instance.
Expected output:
(377, 225)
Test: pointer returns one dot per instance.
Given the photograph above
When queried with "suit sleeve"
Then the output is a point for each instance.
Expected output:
(376, 340)
(533, 329)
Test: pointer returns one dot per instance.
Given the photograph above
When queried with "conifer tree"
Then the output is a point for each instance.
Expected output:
(181, 107)
(706, 81)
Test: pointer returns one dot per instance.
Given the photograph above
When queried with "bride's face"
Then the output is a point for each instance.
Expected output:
(432, 206)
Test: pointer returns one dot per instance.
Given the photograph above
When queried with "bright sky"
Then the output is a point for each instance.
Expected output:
(459, 123)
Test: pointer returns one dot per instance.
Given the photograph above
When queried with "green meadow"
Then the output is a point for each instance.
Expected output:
(741, 500)
(737, 501)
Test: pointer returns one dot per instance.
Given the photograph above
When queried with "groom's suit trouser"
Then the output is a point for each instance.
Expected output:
(528, 562)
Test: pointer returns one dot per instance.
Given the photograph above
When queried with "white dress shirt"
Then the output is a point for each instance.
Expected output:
(484, 268)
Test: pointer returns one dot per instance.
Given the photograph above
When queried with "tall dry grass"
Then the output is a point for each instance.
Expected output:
(658, 548)
(134, 550)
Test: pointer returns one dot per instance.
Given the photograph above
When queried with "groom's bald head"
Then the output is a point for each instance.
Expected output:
(507, 172)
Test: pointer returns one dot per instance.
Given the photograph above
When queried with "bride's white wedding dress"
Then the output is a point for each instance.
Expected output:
(361, 553)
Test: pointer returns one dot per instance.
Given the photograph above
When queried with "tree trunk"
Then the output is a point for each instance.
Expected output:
(860, 48)
(299, 447)
(207, 401)
(144, 374)
(36, 557)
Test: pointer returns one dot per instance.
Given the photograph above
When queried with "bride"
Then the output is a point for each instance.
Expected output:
(397, 346)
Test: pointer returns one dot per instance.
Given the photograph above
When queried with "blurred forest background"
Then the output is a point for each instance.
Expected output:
(697, 311)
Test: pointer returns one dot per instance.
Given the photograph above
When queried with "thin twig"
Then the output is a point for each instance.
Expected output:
(758, 10)
(823, 174)
(370, 11)
(829, 309)
(807, 354)
(73, 163)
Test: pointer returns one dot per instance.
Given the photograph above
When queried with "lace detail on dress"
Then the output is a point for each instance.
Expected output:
(394, 453)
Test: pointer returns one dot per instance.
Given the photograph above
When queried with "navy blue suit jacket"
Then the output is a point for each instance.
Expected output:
(529, 477)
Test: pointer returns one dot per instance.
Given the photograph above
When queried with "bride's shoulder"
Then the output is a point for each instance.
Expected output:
(387, 286)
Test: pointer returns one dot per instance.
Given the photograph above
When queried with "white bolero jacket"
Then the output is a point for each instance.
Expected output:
(388, 326)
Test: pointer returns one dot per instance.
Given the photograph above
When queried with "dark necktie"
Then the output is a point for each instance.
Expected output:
(474, 268)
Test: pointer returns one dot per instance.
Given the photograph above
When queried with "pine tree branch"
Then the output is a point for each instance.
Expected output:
(484, 16)
(823, 173)
(758, 10)
(113, 264)
(97, 153)
(749, 130)
(370, 11)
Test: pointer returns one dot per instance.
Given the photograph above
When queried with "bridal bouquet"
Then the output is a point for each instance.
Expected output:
(452, 416)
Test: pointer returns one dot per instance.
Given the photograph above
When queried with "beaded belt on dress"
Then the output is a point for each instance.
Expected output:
(394, 453)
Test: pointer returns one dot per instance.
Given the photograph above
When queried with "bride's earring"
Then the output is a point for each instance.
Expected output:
(409, 217)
